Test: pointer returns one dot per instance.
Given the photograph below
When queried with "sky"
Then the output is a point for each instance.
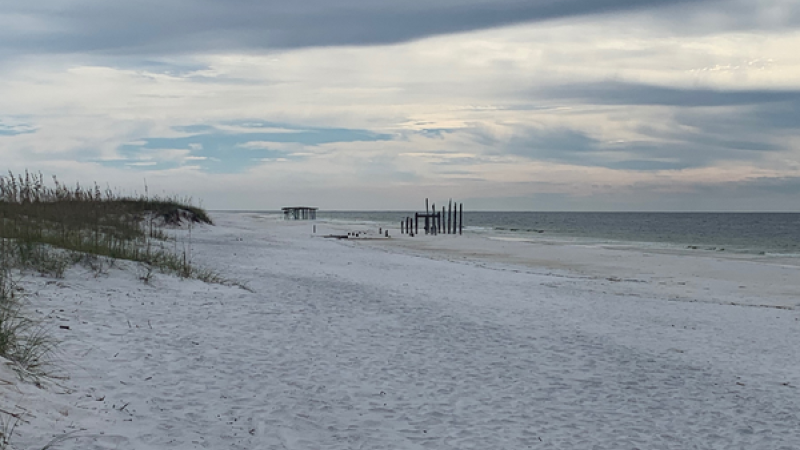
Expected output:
(599, 105)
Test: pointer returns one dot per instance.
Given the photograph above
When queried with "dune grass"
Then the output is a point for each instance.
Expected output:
(35, 219)
(47, 229)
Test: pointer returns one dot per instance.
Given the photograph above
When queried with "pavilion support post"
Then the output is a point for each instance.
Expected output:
(460, 218)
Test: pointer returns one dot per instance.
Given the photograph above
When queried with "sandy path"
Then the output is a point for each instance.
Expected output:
(342, 347)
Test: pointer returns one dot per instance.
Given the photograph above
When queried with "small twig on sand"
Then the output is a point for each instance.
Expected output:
(14, 415)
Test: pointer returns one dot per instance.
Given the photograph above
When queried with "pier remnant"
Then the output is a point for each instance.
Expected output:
(450, 220)
(299, 213)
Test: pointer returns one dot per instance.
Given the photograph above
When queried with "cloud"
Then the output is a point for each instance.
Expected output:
(611, 95)
(640, 127)
(622, 93)
(574, 147)
(687, 139)
(180, 26)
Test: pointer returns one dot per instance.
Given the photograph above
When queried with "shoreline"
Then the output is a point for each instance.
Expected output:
(750, 234)
(545, 236)
(711, 277)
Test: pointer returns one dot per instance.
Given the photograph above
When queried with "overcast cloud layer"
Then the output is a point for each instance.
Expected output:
(353, 104)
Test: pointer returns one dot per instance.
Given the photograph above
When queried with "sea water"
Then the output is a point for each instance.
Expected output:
(751, 233)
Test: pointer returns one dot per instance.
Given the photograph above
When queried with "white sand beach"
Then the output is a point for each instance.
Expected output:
(446, 342)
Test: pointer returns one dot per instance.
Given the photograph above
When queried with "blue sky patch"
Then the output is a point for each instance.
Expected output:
(222, 148)
(7, 129)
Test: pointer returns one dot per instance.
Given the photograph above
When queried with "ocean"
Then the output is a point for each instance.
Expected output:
(750, 233)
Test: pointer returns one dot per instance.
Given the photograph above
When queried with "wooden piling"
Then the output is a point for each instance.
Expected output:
(427, 219)
(455, 217)
(433, 219)
(449, 215)
(460, 218)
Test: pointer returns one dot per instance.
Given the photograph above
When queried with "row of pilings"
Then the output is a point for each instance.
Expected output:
(450, 220)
